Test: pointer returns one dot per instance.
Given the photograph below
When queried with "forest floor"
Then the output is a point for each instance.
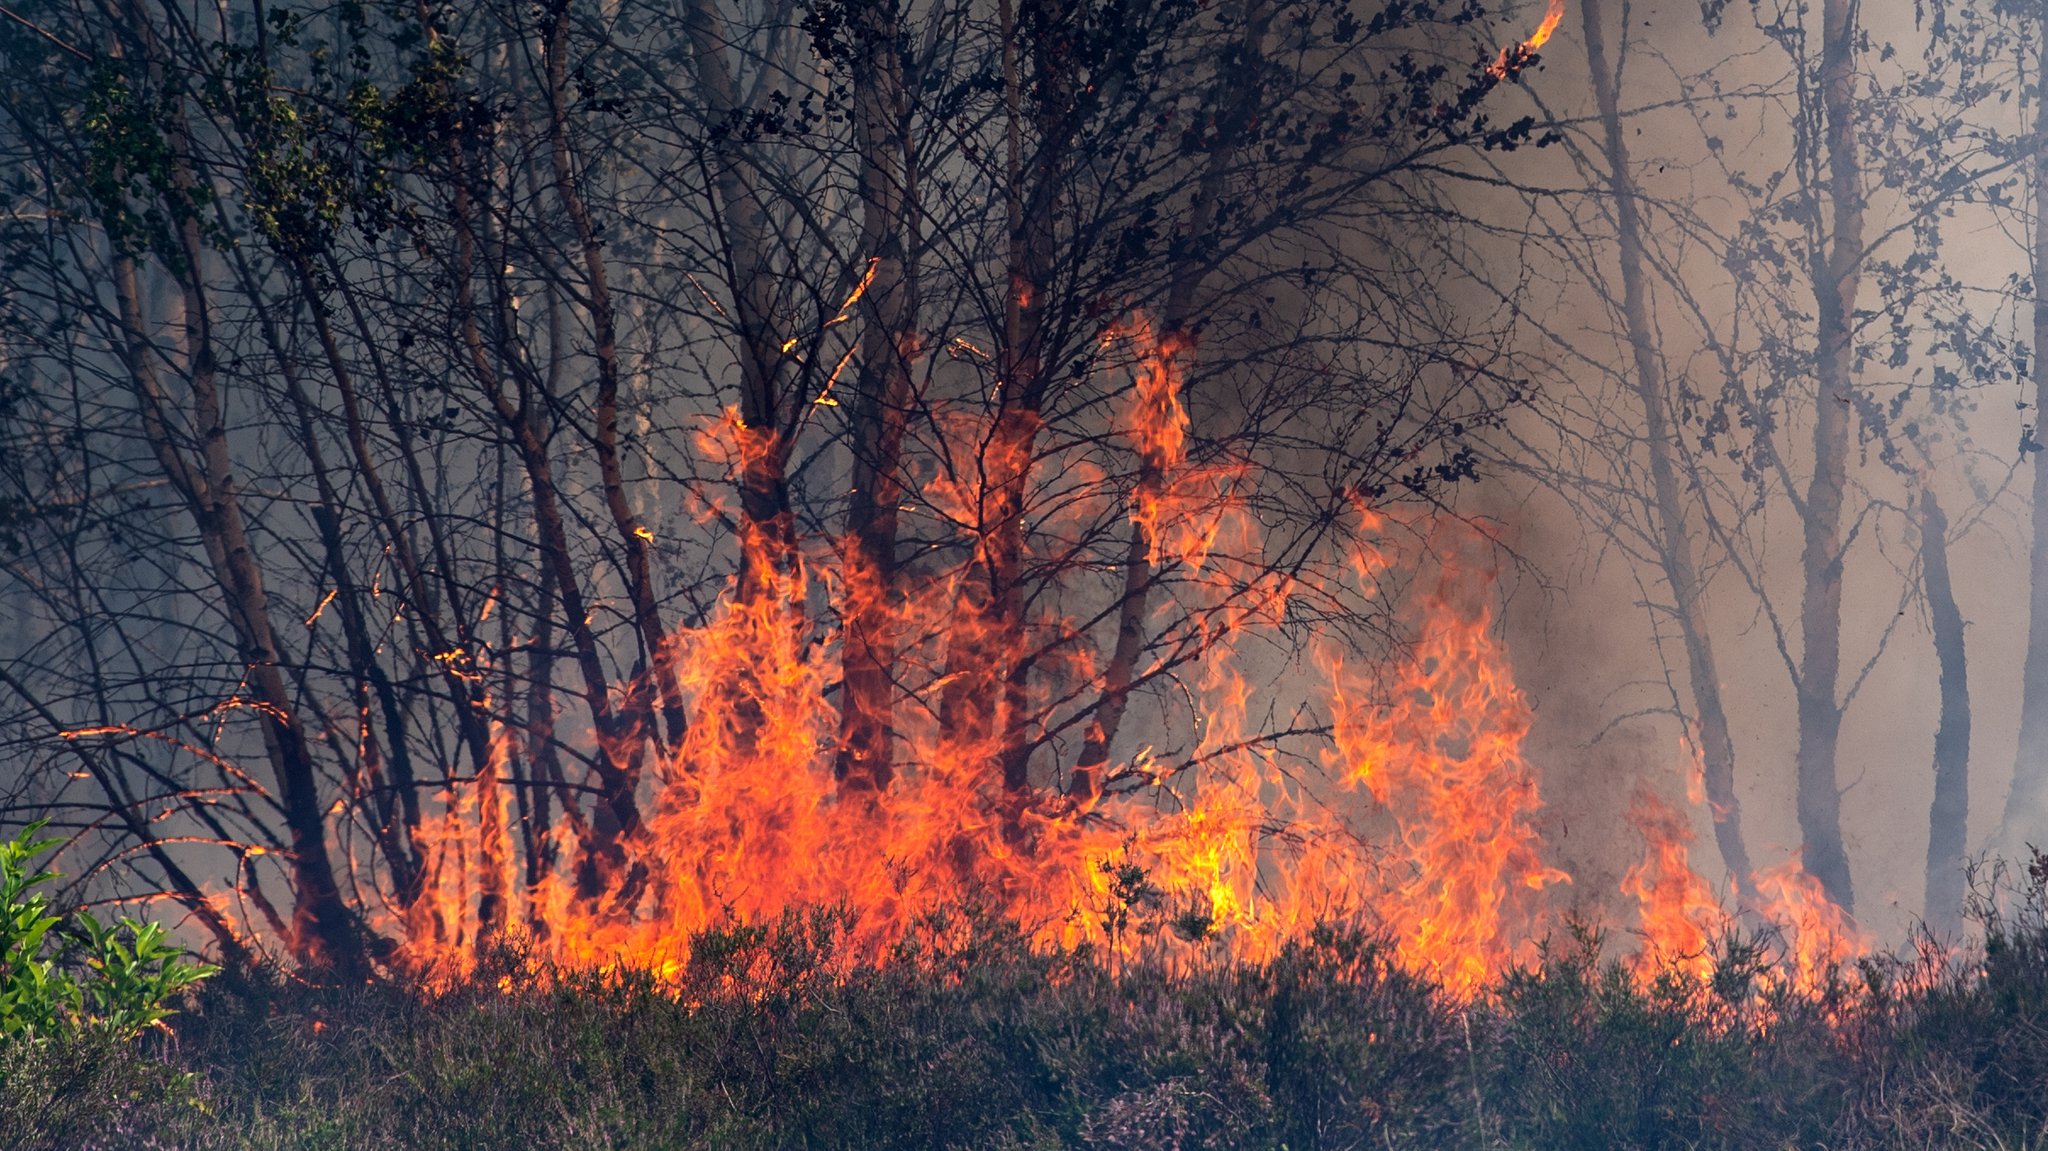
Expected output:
(966, 1037)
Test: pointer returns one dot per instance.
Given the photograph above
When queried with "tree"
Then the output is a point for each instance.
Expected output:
(1673, 545)
(2027, 802)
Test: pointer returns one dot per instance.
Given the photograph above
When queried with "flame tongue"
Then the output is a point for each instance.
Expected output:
(1680, 918)
(1512, 59)
(1817, 938)
(1443, 759)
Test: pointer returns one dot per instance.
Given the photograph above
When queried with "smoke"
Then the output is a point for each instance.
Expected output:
(1594, 643)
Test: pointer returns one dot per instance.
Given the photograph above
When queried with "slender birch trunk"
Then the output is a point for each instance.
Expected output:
(1836, 269)
(1949, 818)
(2026, 806)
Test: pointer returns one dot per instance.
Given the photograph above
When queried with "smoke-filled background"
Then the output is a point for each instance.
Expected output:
(1943, 403)
(588, 471)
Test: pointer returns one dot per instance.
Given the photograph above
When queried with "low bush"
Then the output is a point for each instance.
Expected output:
(969, 1038)
(76, 995)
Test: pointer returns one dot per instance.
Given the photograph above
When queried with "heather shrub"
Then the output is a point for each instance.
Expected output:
(1580, 1052)
(1971, 1052)
(773, 1036)
(1356, 1050)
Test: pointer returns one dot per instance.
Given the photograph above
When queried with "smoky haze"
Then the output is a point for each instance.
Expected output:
(1711, 123)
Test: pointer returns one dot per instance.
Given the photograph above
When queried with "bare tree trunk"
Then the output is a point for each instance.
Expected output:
(889, 345)
(618, 813)
(988, 692)
(1948, 821)
(418, 596)
(1119, 674)
(632, 536)
(2026, 806)
(1836, 267)
(324, 933)
(1236, 90)
(538, 733)
(768, 543)
(1674, 541)
(492, 863)
(397, 815)
(616, 817)
(395, 805)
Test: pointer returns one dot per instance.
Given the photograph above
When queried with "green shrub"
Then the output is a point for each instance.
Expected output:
(74, 996)
(34, 993)
(131, 972)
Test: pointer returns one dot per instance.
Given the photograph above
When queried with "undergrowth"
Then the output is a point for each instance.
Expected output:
(967, 1037)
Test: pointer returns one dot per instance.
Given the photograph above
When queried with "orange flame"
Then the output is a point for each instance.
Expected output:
(1421, 811)
(1819, 939)
(466, 871)
(1513, 59)
(1181, 509)
(1441, 754)
(1680, 919)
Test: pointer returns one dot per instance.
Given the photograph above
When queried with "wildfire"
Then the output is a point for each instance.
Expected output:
(1422, 812)
(1818, 938)
(1513, 59)
(1680, 917)
(1441, 755)
(1181, 509)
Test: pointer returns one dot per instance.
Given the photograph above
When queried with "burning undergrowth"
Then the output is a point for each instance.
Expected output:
(1394, 793)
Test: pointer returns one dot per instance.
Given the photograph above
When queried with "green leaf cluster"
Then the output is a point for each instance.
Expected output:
(60, 977)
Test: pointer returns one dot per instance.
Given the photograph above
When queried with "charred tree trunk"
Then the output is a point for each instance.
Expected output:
(1119, 674)
(1948, 820)
(1836, 270)
(882, 398)
(493, 864)
(422, 609)
(2026, 805)
(1236, 91)
(1674, 542)
(537, 732)
(396, 815)
(617, 816)
(324, 934)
